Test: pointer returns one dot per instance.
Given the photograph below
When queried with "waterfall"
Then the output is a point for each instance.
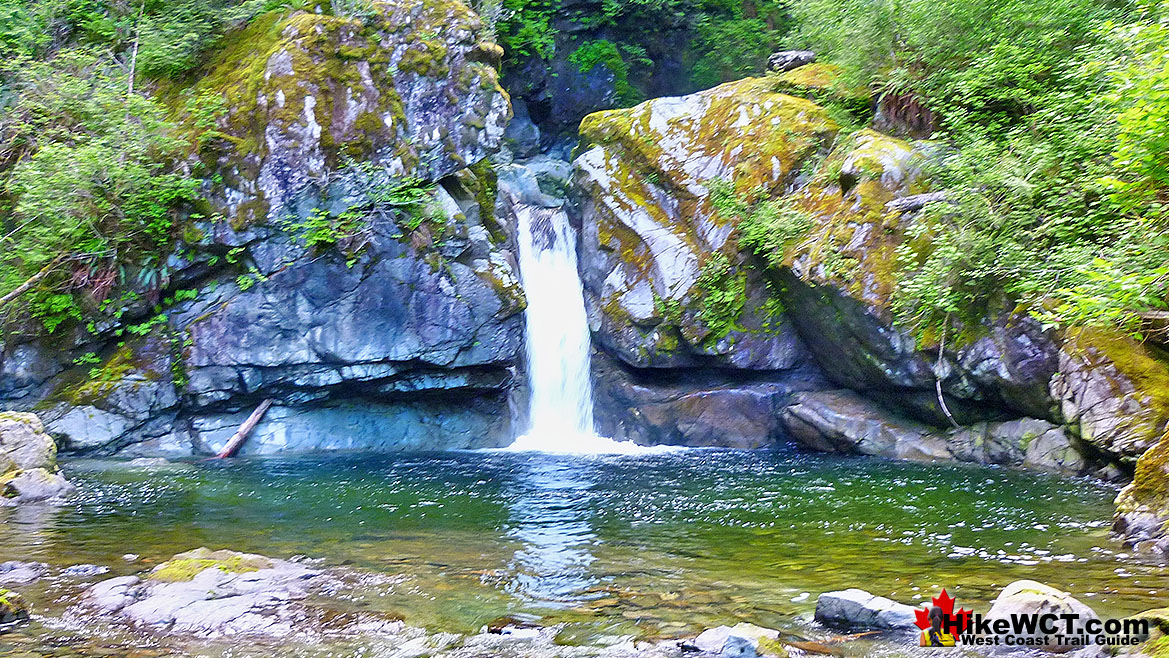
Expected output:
(560, 410)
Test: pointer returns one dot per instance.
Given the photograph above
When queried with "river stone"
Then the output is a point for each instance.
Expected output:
(210, 594)
(844, 421)
(22, 573)
(84, 571)
(856, 608)
(730, 642)
(1027, 597)
(24, 443)
(33, 485)
(13, 608)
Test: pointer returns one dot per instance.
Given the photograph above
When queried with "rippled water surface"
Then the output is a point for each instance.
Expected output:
(662, 544)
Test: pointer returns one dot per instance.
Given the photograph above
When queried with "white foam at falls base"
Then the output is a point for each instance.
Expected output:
(586, 444)
(560, 410)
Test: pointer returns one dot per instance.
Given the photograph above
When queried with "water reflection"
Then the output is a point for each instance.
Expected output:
(28, 529)
(550, 516)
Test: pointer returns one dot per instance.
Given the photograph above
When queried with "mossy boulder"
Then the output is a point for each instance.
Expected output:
(28, 461)
(663, 274)
(13, 608)
(1142, 508)
(409, 89)
(1114, 390)
(24, 443)
(185, 566)
(823, 83)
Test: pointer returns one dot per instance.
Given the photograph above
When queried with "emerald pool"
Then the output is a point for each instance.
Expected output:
(657, 545)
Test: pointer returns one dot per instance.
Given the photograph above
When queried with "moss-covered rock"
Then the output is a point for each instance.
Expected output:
(293, 93)
(24, 443)
(185, 566)
(28, 461)
(1142, 508)
(662, 269)
(13, 607)
(1114, 390)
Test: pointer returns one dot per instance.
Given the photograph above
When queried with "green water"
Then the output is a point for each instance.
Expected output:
(659, 545)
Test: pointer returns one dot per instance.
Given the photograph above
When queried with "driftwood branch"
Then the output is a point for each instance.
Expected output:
(938, 377)
(244, 430)
(916, 202)
(32, 281)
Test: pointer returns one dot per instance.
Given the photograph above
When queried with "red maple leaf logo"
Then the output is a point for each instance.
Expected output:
(946, 603)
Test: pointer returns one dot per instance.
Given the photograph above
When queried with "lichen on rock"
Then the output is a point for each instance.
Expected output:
(28, 461)
(301, 91)
(651, 228)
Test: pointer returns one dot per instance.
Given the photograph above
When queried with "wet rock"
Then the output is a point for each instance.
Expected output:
(739, 640)
(22, 573)
(1114, 391)
(33, 485)
(786, 60)
(522, 136)
(1142, 507)
(84, 571)
(24, 443)
(1027, 597)
(13, 608)
(856, 608)
(210, 593)
(28, 461)
(843, 421)
(691, 408)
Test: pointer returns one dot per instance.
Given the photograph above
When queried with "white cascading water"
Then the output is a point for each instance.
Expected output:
(560, 411)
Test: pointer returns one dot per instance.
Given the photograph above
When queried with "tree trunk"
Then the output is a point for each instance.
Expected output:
(244, 430)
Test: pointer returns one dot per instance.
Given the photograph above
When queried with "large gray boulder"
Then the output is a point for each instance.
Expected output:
(403, 333)
(665, 285)
(1027, 597)
(418, 102)
(210, 593)
(856, 609)
(28, 461)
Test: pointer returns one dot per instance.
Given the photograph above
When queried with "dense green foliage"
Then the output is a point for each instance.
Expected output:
(91, 185)
(728, 38)
(1053, 114)
(163, 37)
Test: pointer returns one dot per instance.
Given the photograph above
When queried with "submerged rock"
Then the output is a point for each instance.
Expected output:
(22, 573)
(13, 608)
(856, 608)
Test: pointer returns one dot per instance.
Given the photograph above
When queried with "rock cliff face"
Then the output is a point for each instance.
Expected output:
(377, 303)
(691, 302)
(665, 282)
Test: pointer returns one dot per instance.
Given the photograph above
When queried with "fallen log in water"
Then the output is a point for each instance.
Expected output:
(241, 435)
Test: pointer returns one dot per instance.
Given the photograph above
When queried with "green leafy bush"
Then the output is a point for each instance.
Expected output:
(92, 183)
(1054, 116)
